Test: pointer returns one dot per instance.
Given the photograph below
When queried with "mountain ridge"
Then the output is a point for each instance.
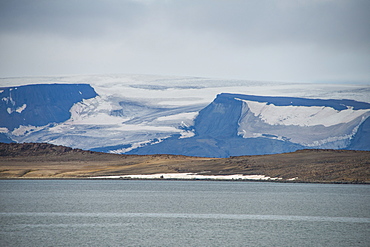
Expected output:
(41, 160)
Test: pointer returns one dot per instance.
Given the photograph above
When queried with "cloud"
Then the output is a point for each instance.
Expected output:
(264, 40)
(68, 18)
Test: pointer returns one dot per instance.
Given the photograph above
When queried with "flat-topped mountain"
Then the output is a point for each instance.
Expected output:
(235, 124)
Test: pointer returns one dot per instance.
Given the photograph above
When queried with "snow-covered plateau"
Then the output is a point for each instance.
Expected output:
(143, 114)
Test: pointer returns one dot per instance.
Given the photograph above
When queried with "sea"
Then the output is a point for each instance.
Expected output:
(182, 213)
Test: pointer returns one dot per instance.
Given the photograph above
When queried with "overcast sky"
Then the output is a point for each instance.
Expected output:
(282, 40)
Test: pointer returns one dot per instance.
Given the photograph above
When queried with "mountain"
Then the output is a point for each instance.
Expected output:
(184, 115)
(39, 105)
(235, 124)
(25, 108)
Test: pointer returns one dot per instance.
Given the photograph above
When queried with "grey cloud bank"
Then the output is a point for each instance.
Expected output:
(283, 40)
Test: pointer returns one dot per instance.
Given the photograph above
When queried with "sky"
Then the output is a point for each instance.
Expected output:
(266, 40)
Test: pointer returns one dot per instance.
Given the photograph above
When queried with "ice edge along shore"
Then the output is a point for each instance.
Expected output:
(192, 176)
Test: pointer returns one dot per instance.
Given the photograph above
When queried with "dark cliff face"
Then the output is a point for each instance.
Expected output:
(31, 149)
(38, 105)
(361, 141)
(219, 119)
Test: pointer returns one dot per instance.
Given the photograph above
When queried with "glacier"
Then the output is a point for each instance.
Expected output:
(145, 114)
(228, 127)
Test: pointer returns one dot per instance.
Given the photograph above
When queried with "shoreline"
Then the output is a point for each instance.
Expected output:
(206, 180)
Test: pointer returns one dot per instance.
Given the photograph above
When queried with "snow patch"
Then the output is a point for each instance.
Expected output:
(26, 130)
(20, 109)
(4, 130)
(136, 145)
(313, 127)
(8, 100)
(192, 176)
(124, 150)
(94, 111)
(301, 115)
(186, 134)
(180, 116)
(341, 141)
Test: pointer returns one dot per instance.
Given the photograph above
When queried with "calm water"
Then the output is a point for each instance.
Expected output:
(182, 213)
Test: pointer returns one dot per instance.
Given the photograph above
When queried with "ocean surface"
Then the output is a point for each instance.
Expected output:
(182, 213)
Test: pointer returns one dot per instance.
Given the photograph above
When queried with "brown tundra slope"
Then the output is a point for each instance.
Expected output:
(41, 160)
